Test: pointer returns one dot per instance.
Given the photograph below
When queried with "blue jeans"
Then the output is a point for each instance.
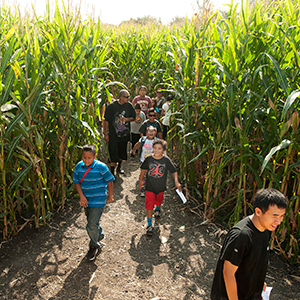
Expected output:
(93, 228)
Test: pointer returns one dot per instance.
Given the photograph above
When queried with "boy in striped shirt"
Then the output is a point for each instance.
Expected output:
(94, 183)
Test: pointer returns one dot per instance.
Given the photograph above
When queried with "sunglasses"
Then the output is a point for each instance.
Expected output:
(126, 97)
(151, 115)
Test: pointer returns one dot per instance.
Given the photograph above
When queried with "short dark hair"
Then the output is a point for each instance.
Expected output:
(137, 106)
(269, 197)
(123, 93)
(151, 110)
(160, 142)
(142, 87)
(170, 97)
(89, 148)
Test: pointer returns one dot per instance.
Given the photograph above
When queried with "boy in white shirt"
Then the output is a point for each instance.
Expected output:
(145, 146)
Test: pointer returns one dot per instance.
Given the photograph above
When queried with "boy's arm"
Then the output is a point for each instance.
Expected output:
(230, 281)
(135, 147)
(83, 200)
(143, 172)
(110, 187)
(177, 184)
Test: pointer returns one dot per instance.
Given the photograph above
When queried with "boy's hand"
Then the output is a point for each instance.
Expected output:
(140, 184)
(109, 199)
(83, 202)
(133, 152)
(178, 186)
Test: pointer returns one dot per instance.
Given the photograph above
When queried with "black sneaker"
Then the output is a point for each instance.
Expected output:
(92, 253)
(119, 170)
(156, 213)
(150, 230)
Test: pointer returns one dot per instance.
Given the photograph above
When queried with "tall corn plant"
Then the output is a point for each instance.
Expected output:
(243, 135)
(51, 75)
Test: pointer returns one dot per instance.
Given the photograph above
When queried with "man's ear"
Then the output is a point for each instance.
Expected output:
(258, 212)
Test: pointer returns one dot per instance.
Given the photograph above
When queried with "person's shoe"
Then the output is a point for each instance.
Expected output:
(101, 238)
(92, 253)
(119, 170)
(156, 213)
(150, 230)
(142, 194)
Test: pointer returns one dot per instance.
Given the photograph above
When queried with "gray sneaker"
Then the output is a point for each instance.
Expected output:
(150, 230)
(156, 213)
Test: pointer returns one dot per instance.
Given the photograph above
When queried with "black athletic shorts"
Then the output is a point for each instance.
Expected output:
(117, 150)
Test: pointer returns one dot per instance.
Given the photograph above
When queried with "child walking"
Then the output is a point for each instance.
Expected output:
(92, 179)
(136, 125)
(145, 145)
(156, 166)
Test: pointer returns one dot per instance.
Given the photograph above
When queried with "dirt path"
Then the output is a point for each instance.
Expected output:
(176, 263)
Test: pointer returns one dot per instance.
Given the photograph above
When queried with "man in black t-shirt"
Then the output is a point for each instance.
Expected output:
(242, 265)
(116, 129)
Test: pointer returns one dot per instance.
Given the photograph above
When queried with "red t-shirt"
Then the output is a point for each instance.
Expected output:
(145, 103)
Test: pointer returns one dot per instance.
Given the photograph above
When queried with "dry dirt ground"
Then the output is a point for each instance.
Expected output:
(177, 262)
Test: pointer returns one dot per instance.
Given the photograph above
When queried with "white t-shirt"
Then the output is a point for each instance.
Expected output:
(147, 149)
(166, 118)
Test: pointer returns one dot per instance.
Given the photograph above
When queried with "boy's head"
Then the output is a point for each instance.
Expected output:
(265, 198)
(151, 114)
(142, 91)
(151, 132)
(88, 154)
(160, 142)
(159, 93)
(137, 108)
(170, 97)
(269, 207)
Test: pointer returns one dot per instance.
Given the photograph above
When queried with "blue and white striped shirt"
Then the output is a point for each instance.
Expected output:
(94, 184)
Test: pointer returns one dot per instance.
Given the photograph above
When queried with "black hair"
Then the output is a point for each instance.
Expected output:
(170, 97)
(89, 148)
(150, 110)
(137, 106)
(142, 87)
(269, 197)
(160, 142)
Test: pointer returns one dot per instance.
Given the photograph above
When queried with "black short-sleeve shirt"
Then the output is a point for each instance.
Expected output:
(117, 129)
(248, 248)
(156, 178)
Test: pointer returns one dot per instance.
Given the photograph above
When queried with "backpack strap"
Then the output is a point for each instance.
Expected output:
(84, 174)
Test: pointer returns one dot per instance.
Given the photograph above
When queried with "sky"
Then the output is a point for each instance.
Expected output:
(116, 11)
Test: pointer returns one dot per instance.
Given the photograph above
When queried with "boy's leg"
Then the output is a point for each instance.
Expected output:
(149, 205)
(93, 227)
(158, 201)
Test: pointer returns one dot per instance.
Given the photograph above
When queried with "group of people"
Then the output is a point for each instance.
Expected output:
(242, 264)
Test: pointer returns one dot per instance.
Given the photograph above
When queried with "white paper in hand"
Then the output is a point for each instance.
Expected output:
(181, 196)
(266, 294)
